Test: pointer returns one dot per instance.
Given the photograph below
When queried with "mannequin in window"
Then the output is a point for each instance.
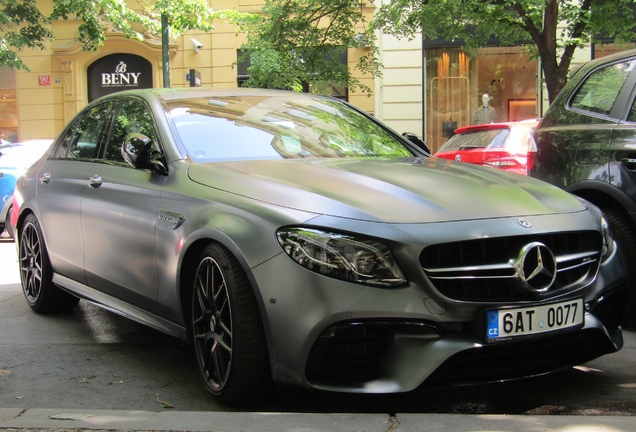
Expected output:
(485, 113)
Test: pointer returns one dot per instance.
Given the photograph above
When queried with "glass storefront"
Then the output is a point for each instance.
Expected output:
(8, 105)
(456, 85)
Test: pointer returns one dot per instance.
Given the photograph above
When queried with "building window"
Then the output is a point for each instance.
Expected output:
(337, 91)
(8, 106)
(456, 85)
(603, 50)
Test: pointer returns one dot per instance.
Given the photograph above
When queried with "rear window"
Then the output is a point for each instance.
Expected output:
(599, 92)
(492, 138)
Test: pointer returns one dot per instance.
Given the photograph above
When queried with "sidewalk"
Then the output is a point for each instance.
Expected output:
(33, 420)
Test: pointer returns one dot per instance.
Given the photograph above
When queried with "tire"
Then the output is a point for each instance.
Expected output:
(7, 224)
(624, 234)
(36, 274)
(227, 330)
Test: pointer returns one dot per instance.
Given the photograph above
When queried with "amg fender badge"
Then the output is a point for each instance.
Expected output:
(170, 220)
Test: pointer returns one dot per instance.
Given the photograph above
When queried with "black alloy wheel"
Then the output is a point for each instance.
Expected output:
(227, 332)
(36, 274)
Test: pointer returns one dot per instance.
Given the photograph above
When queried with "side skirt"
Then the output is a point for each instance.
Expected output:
(119, 307)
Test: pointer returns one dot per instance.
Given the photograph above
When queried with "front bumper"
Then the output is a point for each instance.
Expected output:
(385, 356)
(332, 335)
(329, 334)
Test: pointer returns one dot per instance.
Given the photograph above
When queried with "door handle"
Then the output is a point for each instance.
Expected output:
(95, 181)
(45, 178)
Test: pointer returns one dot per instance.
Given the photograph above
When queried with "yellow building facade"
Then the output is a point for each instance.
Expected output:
(38, 103)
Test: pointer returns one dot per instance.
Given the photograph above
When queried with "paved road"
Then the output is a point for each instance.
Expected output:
(93, 359)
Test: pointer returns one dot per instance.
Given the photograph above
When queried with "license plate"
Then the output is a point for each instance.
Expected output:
(511, 323)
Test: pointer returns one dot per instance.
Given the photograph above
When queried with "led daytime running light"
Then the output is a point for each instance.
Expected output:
(342, 256)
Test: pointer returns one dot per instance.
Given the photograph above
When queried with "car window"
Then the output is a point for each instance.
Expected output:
(82, 141)
(599, 92)
(64, 142)
(252, 127)
(493, 138)
(632, 113)
(132, 117)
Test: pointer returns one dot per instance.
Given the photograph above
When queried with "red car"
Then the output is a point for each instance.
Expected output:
(507, 146)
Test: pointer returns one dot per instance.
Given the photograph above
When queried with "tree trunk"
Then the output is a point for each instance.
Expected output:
(554, 74)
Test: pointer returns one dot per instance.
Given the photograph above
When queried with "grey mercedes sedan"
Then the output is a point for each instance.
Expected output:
(296, 242)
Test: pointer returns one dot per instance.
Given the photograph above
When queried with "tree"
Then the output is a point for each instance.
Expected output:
(24, 25)
(551, 29)
(297, 42)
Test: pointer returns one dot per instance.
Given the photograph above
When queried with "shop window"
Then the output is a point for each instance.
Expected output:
(456, 85)
(8, 106)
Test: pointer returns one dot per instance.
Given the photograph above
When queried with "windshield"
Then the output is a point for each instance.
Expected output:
(263, 127)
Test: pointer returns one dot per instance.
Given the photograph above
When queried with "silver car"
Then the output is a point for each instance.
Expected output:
(298, 242)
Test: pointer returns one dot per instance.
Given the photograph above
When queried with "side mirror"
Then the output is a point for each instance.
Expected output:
(417, 141)
(137, 150)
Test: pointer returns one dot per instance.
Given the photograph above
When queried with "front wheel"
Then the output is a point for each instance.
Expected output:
(228, 336)
(36, 274)
(624, 234)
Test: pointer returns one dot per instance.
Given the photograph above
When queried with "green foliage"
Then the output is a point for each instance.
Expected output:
(551, 29)
(22, 24)
(301, 41)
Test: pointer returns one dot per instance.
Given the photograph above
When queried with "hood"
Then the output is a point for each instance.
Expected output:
(389, 190)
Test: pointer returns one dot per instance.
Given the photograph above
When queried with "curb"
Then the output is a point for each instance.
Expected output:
(91, 420)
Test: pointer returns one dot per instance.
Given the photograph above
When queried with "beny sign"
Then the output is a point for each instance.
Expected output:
(116, 72)
(121, 78)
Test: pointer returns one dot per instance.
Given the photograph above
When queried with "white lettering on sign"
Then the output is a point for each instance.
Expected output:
(127, 79)
(120, 78)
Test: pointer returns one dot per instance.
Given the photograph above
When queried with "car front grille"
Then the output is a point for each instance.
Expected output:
(356, 351)
(483, 270)
(349, 351)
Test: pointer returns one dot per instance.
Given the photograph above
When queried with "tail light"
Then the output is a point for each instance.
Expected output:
(15, 211)
(532, 152)
(503, 160)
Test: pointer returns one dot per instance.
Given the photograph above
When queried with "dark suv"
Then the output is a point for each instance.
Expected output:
(586, 144)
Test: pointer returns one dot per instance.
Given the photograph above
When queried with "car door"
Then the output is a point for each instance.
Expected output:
(600, 101)
(119, 214)
(61, 183)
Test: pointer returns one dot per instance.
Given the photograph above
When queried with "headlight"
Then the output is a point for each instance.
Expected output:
(608, 242)
(342, 256)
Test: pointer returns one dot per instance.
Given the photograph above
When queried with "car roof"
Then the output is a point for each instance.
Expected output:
(169, 94)
(589, 65)
(493, 126)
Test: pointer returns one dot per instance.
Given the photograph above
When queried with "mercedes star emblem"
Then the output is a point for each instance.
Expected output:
(536, 267)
